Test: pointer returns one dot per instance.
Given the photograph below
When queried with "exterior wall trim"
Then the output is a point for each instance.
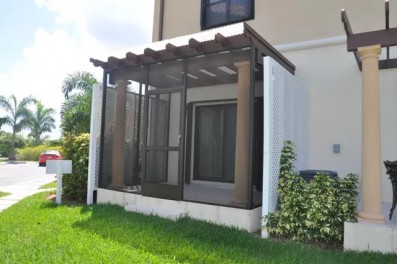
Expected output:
(311, 44)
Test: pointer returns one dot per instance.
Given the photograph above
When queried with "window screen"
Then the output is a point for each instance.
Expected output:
(221, 12)
(215, 141)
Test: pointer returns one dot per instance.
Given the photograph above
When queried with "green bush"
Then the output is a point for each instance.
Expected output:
(33, 153)
(311, 211)
(5, 143)
(76, 148)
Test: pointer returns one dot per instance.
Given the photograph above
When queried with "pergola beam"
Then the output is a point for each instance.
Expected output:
(387, 18)
(349, 31)
(219, 43)
(384, 37)
(170, 48)
(116, 61)
(346, 23)
(195, 44)
(98, 63)
(151, 53)
(387, 64)
(387, 12)
(132, 57)
(219, 38)
(268, 50)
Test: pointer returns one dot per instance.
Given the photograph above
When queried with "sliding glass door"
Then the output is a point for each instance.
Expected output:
(214, 142)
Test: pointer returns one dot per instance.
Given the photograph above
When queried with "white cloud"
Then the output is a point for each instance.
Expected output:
(103, 28)
(117, 23)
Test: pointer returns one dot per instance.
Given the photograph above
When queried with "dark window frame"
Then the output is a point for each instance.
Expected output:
(206, 3)
(195, 135)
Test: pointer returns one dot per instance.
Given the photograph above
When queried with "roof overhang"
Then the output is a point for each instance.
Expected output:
(210, 41)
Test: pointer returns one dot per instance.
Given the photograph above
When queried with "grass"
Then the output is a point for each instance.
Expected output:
(49, 185)
(39, 231)
(2, 194)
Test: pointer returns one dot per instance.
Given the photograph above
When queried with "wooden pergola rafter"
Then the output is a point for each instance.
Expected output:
(386, 38)
(195, 48)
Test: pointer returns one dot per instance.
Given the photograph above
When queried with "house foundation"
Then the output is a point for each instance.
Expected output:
(370, 237)
(249, 220)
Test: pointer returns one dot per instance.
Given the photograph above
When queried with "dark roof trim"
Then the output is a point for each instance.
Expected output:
(268, 49)
(349, 32)
(386, 38)
(195, 48)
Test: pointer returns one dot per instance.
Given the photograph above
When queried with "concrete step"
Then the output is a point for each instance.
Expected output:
(171, 214)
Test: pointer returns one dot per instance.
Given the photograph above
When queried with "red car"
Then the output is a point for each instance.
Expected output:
(49, 155)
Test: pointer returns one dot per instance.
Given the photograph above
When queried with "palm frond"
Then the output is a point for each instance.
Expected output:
(82, 81)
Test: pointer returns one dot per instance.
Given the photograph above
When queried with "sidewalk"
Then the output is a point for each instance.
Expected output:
(22, 190)
(15, 197)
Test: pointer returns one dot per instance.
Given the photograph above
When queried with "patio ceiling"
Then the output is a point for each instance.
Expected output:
(204, 70)
(202, 49)
(386, 38)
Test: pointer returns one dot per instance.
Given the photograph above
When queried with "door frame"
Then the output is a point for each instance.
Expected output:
(173, 192)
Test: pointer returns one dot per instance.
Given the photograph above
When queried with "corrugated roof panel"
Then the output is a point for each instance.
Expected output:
(226, 31)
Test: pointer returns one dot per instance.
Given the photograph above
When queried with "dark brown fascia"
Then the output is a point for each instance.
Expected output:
(194, 48)
(384, 37)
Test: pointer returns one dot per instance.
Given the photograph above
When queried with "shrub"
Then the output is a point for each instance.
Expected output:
(311, 211)
(76, 148)
(5, 143)
(53, 142)
(33, 153)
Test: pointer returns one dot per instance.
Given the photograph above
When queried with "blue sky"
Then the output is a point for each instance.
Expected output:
(19, 21)
(44, 40)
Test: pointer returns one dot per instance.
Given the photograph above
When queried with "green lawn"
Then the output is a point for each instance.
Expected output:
(2, 194)
(49, 185)
(39, 231)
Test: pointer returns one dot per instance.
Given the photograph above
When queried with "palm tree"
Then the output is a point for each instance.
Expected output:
(17, 117)
(41, 121)
(82, 81)
(76, 113)
(2, 122)
(76, 110)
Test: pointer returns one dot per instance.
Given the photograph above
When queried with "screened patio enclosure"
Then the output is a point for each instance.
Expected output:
(183, 120)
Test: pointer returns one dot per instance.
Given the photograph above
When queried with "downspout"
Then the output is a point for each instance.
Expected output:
(161, 21)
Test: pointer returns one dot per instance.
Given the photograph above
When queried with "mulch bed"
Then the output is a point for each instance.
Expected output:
(66, 200)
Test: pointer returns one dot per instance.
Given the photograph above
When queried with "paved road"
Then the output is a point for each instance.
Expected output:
(21, 180)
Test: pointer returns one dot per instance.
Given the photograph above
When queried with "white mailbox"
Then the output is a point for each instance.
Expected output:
(59, 167)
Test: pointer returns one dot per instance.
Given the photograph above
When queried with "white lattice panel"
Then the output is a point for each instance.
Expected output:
(95, 128)
(98, 113)
(285, 118)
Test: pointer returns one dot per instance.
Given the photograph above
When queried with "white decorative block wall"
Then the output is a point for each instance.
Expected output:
(286, 109)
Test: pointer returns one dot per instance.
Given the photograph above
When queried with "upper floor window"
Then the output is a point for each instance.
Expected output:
(221, 12)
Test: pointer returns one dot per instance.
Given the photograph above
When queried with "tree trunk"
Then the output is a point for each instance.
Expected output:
(11, 156)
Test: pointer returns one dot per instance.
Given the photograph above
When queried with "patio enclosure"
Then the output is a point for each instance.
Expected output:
(186, 123)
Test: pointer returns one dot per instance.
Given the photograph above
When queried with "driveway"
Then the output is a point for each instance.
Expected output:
(21, 180)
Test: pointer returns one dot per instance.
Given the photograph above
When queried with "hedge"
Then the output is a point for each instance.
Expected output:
(33, 153)
(76, 148)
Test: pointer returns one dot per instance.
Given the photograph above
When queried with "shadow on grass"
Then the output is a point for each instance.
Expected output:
(193, 241)
(188, 240)
(48, 205)
(185, 240)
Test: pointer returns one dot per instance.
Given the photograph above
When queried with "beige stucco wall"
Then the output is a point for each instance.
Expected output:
(283, 21)
(330, 72)
(335, 110)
